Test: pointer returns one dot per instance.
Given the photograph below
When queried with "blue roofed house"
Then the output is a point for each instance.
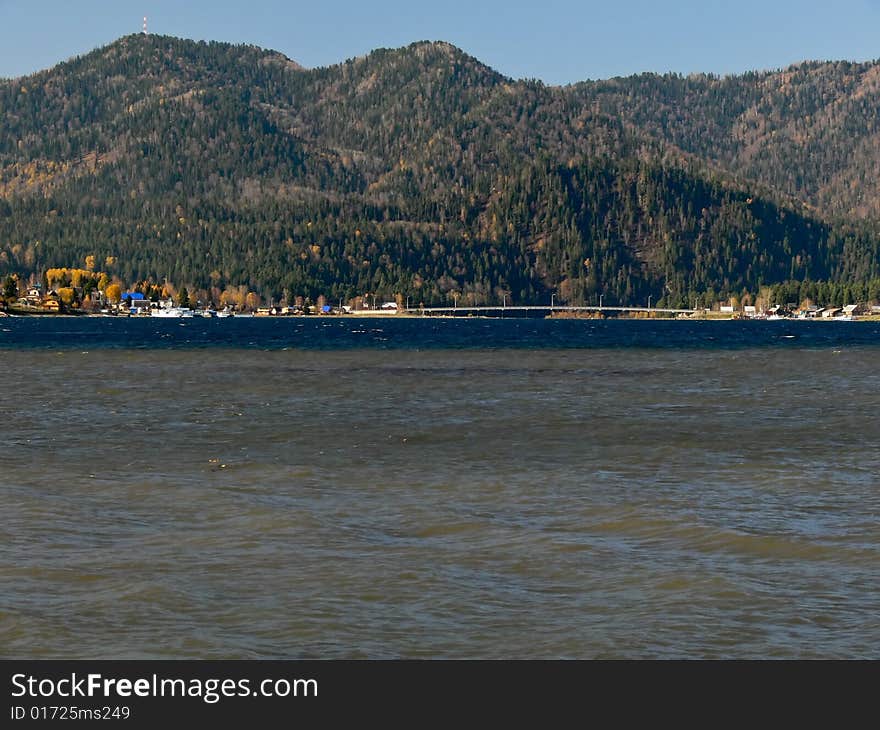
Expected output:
(134, 302)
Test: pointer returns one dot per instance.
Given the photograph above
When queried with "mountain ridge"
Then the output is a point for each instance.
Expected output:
(460, 52)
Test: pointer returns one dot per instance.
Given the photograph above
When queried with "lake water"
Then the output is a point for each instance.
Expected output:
(382, 488)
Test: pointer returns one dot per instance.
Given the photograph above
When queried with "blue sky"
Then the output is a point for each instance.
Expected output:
(557, 41)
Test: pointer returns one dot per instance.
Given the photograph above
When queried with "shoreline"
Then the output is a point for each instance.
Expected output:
(416, 315)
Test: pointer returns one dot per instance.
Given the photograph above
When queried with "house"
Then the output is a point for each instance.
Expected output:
(750, 311)
(53, 305)
(34, 296)
(830, 312)
(726, 309)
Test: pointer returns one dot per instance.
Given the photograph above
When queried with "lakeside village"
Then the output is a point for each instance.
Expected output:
(86, 293)
(83, 292)
(135, 304)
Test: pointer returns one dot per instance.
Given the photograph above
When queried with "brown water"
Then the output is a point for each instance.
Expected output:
(492, 504)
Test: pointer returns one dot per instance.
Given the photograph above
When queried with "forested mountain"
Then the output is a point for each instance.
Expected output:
(423, 174)
(811, 131)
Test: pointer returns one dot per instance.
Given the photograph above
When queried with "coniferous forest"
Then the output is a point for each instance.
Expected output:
(421, 174)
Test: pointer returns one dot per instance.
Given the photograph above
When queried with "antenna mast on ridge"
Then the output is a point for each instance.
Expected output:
(145, 25)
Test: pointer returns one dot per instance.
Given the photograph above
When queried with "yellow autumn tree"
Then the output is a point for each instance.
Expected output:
(57, 277)
(236, 295)
(113, 292)
(252, 300)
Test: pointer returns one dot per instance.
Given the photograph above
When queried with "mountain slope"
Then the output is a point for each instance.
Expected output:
(417, 172)
(810, 131)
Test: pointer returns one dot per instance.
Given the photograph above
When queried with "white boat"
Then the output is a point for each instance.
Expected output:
(173, 312)
(224, 313)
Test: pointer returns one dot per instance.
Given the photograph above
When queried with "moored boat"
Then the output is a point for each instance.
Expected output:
(172, 312)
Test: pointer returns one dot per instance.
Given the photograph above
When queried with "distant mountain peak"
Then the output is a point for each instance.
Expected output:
(281, 59)
(444, 49)
(427, 54)
(450, 50)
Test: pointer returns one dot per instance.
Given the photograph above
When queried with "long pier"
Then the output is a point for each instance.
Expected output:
(496, 310)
